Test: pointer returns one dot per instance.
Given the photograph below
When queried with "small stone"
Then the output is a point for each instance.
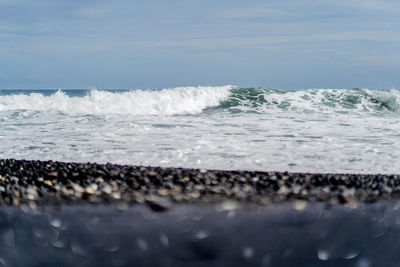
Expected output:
(116, 195)
(15, 202)
(77, 188)
(32, 205)
(52, 174)
(89, 190)
(107, 189)
(162, 192)
(283, 190)
(48, 182)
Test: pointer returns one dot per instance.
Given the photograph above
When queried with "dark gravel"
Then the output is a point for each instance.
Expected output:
(48, 182)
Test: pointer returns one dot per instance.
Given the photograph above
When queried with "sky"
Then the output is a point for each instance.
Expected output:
(287, 44)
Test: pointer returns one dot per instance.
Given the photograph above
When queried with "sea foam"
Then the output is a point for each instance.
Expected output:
(180, 100)
(262, 100)
(194, 100)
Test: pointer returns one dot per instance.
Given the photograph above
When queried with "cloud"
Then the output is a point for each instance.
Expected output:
(291, 9)
(253, 11)
(379, 59)
(91, 12)
(265, 42)
(374, 5)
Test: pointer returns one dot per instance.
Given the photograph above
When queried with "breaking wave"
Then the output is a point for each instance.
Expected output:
(194, 100)
(312, 100)
(181, 100)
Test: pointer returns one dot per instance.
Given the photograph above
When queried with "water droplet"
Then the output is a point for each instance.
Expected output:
(142, 244)
(248, 252)
(40, 238)
(300, 205)
(2, 263)
(58, 244)
(38, 233)
(201, 234)
(55, 222)
(164, 240)
(78, 249)
(351, 255)
(228, 205)
(92, 224)
(25, 208)
(323, 255)
(266, 260)
(9, 237)
(111, 247)
(231, 214)
(363, 263)
(118, 261)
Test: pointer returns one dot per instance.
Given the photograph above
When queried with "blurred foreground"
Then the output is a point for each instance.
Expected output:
(226, 234)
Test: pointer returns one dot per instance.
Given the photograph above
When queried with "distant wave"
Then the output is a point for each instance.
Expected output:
(194, 100)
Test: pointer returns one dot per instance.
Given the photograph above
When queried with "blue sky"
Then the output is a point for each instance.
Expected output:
(288, 44)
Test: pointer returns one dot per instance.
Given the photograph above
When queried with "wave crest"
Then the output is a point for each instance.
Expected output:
(194, 100)
(181, 100)
(312, 100)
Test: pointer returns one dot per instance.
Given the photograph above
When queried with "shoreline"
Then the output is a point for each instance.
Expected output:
(51, 182)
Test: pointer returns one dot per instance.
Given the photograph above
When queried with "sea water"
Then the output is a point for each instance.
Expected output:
(226, 127)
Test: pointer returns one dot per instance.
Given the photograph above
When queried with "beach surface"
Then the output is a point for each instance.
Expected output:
(70, 214)
(48, 182)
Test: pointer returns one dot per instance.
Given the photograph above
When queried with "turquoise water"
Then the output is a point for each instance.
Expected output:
(324, 130)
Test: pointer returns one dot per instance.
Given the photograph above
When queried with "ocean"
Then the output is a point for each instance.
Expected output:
(225, 127)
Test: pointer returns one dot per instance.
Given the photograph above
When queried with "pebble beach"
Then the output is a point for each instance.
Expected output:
(48, 182)
(88, 214)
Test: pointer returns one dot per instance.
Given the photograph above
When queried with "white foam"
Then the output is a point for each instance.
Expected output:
(324, 100)
(181, 100)
(391, 97)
